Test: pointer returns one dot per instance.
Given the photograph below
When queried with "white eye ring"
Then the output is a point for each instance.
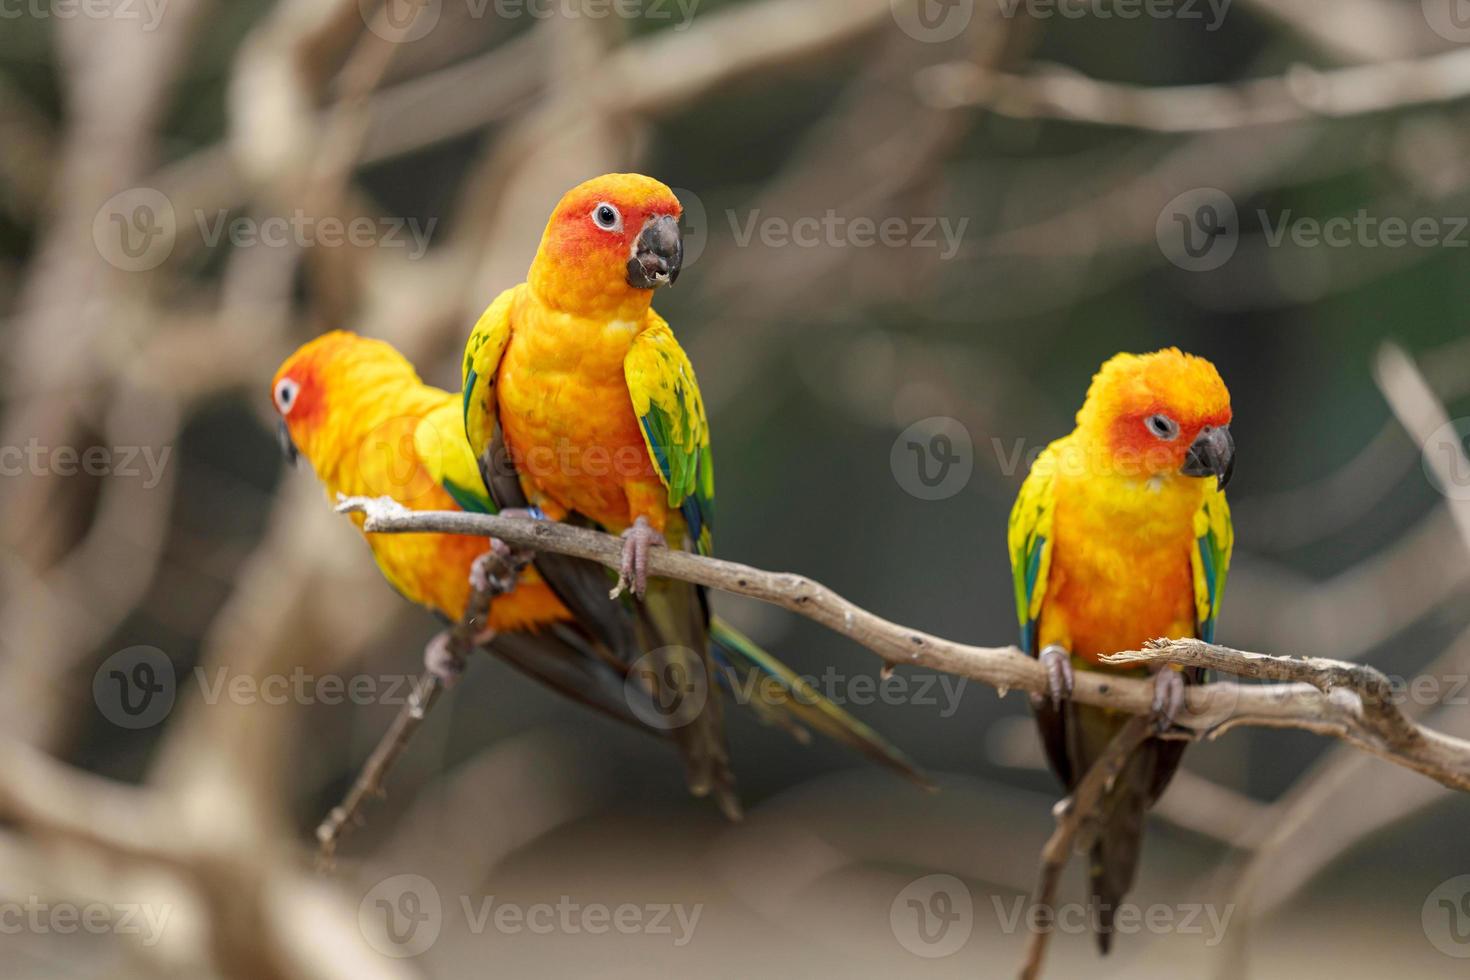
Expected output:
(607, 217)
(285, 394)
(1162, 427)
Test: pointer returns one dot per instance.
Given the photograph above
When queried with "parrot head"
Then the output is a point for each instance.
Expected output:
(335, 378)
(611, 241)
(1160, 414)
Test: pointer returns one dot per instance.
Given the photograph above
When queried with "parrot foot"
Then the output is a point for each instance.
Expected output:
(1059, 675)
(524, 514)
(638, 540)
(1168, 697)
(441, 660)
(496, 570)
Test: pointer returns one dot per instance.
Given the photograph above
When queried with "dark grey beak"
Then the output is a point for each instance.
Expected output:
(657, 254)
(288, 448)
(1211, 454)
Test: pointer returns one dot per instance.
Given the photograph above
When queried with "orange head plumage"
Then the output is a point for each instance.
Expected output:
(1156, 414)
(610, 243)
(334, 391)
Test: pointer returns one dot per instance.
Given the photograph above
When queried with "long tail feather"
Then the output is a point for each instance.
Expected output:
(1113, 863)
(673, 626)
(801, 704)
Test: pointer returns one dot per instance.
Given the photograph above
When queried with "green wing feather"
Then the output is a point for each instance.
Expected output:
(670, 410)
(1215, 539)
(1028, 536)
(482, 355)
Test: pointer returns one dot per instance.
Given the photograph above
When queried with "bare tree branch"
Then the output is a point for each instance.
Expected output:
(1422, 415)
(1332, 703)
(1336, 805)
(1346, 30)
(1370, 684)
(1297, 836)
(1300, 94)
(369, 782)
(240, 885)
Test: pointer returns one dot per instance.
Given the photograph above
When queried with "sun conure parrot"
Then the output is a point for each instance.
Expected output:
(1121, 534)
(356, 409)
(580, 403)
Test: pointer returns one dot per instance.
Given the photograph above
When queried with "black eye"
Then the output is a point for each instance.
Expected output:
(606, 217)
(286, 390)
(1162, 426)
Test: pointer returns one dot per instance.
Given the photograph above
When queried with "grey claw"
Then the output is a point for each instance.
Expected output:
(480, 572)
(495, 571)
(1168, 697)
(1059, 675)
(441, 660)
(638, 540)
(517, 558)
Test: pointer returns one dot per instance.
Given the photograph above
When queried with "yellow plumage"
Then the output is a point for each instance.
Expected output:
(579, 401)
(1120, 534)
(369, 427)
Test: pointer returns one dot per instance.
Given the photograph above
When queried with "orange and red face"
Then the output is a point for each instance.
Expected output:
(297, 392)
(610, 242)
(339, 362)
(1165, 412)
